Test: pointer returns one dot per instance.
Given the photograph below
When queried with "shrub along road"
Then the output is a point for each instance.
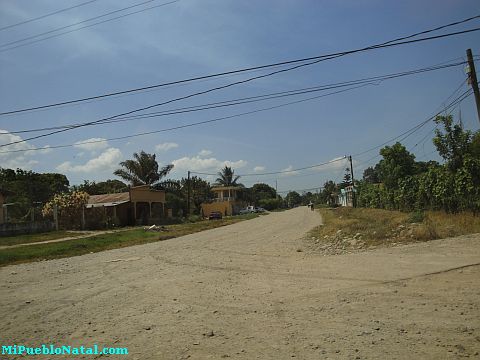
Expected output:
(248, 291)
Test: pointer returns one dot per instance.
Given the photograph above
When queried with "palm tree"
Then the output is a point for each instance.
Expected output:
(142, 170)
(227, 177)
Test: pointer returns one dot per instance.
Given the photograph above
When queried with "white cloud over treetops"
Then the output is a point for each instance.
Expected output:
(108, 160)
(198, 163)
(17, 155)
(205, 153)
(166, 146)
(92, 144)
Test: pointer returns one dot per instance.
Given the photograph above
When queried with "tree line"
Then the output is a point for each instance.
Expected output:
(400, 182)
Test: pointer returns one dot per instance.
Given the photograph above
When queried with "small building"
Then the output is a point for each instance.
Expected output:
(225, 201)
(141, 205)
(345, 197)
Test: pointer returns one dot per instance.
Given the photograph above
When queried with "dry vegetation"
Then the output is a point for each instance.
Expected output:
(348, 229)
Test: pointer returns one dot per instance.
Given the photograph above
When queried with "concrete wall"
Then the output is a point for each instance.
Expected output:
(225, 207)
(12, 229)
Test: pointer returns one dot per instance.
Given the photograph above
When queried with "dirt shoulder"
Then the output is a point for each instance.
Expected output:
(246, 291)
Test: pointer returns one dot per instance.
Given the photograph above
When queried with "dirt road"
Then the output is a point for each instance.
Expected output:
(246, 291)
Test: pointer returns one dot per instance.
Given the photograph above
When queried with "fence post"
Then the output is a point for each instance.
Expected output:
(55, 215)
(83, 217)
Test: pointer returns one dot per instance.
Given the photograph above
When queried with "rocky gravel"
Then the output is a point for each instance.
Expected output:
(252, 290)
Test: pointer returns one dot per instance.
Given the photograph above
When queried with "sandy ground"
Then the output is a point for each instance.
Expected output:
(246, 291)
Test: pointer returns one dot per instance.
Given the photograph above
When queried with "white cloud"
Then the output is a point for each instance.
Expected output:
(15, 155)
(108, 160)
(258, 168)
(334, 164)
(92, 144)
(166, 146)
(198, 163)
(289, 171)
(205, 153)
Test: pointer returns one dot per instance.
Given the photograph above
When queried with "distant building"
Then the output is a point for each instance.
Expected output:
(345, 197)
(226, 201)
(141, 205)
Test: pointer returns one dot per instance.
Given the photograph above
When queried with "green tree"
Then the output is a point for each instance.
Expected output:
(200, 191)
(371, 176)
(475, 146)
(227, 177)
(69, 206)
(30, 190)
(453, 143)
(263, 191)
(102, 187)
(328, 192)
(143, 169)
(396, 164)
(293, 198)
(347, 179)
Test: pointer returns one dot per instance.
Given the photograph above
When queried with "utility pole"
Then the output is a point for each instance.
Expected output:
(473, 80)
(354, 200)
(188, 193)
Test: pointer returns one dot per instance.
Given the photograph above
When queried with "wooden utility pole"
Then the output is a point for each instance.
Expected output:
(188, 193)
(354, 200)
(473, 80)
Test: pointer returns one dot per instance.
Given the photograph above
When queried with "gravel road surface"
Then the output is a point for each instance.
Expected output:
(250, 291)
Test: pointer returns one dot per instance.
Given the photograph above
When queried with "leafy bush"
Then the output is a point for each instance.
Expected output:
(416, 216)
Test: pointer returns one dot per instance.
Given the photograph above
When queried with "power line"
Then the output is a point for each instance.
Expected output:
(278, 172)
(394, 42)
(217, 120)
(411, 131)
(414, 129)
(46, 15)
(251, 99)
(457, 102)
(186, 125)
(7, 46)
(453, 103)
(226, 86)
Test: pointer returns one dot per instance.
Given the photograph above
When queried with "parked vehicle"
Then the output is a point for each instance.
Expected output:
(248, 210)
(251, 209)
(215, 215)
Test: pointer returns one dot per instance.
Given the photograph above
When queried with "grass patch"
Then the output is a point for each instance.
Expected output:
(108, 241)
(33, 238)
(347, 228)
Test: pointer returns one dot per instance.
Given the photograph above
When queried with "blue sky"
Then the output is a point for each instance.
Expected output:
(192, 38)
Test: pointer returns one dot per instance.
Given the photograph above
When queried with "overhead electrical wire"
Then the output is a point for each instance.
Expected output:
(222, 87)
(416, 128)
(457, 103)
(394, 42)
(278, 172)
(251, 99)
(185, 125)
(46, 15)
(25, 41)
